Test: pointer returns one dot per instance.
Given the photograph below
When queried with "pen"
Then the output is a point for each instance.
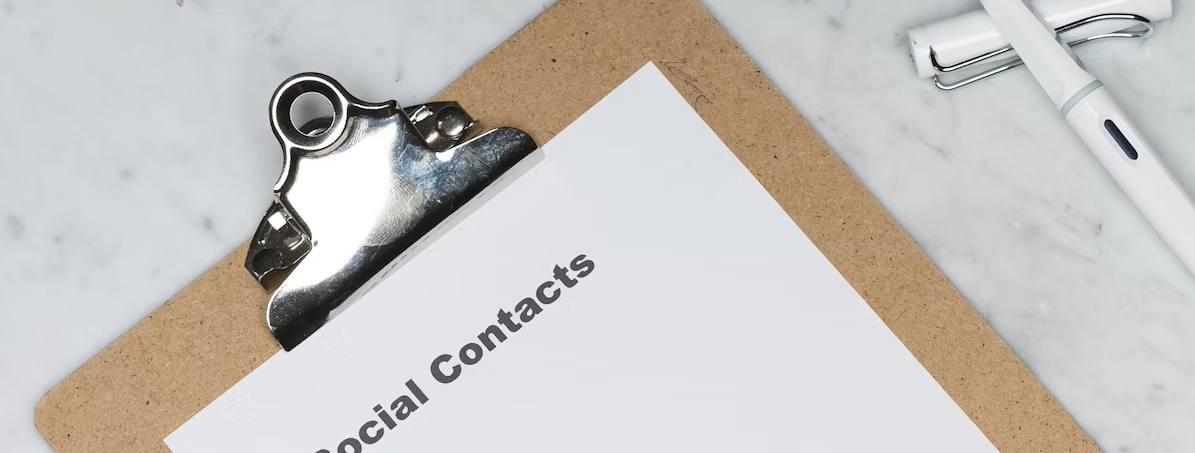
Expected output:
(1101, 124)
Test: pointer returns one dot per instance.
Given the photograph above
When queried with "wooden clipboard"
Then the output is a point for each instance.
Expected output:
(212, 333)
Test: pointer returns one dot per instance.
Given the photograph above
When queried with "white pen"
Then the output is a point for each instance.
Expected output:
(1102, 125)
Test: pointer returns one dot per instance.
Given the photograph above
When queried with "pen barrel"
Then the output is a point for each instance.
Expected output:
(1132, 162)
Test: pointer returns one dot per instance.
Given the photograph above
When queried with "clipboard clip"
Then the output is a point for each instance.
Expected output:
(357, 190)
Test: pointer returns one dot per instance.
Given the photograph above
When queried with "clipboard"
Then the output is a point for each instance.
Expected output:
(203, 340)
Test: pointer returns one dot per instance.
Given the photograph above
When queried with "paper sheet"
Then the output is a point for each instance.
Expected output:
(636, 290)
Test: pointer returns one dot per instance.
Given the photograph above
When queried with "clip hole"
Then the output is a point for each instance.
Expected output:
(307, 109)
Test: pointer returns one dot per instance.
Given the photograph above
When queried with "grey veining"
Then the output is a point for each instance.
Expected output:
(135, 151)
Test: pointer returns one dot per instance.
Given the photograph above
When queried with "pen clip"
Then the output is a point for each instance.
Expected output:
(1141, 28)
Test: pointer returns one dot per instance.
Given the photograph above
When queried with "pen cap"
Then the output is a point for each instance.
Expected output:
(972, 34)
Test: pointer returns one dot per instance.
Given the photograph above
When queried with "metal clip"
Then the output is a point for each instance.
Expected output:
(1140, 29)
(357, 190)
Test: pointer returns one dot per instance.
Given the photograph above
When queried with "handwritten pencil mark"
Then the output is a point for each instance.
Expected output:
(690, 81)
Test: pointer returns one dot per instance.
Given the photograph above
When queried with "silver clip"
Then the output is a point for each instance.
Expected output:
(1142, 28)
(357, 190)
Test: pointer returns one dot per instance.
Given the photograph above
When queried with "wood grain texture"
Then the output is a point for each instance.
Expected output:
(202, 341)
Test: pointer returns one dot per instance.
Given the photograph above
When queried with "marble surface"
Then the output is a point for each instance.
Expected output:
(135, 152)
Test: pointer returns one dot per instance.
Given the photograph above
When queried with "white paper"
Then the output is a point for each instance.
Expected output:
(707, 322)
